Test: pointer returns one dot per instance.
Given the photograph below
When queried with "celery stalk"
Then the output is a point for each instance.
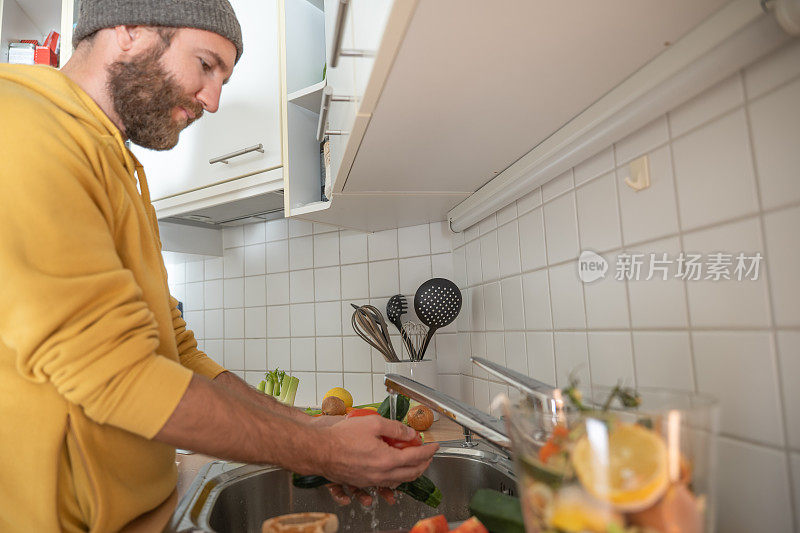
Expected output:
(289, 388)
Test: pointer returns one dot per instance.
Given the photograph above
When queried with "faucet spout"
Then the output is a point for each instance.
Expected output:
(487, 426)
(545, 397)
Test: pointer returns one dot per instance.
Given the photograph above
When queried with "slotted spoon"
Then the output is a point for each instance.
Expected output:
(437, 303)
(395, 308)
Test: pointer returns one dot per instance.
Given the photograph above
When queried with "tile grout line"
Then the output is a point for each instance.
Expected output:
(341, 317)
(529, 370)
(776, 362)
(682, 246)
(550, 299)
(627, 285)
(648, 242)
(582, 285)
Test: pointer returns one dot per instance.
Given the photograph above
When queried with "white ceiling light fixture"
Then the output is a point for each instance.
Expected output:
(734, 37)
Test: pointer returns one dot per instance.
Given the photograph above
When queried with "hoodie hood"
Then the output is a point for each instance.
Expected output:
(65, 95)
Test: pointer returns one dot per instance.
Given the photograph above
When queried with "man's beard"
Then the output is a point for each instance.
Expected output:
(144, 96)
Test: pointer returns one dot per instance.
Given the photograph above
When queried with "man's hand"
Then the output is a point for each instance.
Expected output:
(213, 420)
(325, 420)
(358, 456)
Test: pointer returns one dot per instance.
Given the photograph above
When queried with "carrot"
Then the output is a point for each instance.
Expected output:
(360, 412)
(549, 449)
(560, 432)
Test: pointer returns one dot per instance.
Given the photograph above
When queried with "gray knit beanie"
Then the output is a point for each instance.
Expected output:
(212, 15)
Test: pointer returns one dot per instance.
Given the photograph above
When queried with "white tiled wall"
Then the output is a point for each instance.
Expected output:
(280, 297)
(725, 177)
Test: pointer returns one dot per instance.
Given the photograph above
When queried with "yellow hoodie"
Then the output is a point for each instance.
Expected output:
(94, 355)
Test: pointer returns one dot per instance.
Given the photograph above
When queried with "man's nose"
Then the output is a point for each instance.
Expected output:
(209, 96)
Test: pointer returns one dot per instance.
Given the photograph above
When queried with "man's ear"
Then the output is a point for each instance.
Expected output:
(127, 36)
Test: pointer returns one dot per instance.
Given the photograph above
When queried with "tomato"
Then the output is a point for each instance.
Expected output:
(360, 412)
(473, 525)
(399, 444)
(403, 444)
(435, 524)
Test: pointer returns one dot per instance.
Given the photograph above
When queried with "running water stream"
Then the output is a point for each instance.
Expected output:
(392, 405)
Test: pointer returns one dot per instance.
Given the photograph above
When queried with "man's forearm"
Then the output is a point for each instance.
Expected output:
(238, 386)
(215, 421)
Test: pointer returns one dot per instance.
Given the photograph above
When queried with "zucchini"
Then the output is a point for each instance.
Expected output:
(499, 512)
(553, 474)
(422, 489)
(375, 405)
(403, 404)
(308, 482)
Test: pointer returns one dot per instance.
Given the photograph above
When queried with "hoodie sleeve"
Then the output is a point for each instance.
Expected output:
(191, 357)
(71, 312)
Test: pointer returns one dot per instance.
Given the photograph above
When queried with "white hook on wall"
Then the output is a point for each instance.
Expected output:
(786, 12)
(639, 174)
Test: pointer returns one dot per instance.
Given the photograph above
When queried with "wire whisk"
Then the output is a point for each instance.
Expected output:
(415, 333)
(368, 323)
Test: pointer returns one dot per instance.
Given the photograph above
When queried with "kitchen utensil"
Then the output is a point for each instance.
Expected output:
(368, 323)
(395, 308)
(437, 303)
(424, 372)
(415, 333)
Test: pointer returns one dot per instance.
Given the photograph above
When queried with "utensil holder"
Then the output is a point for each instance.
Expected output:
(425, 372)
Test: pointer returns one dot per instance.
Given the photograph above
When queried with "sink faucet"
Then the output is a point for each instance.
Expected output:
(544, 396)
(474, 420)
(548, 399)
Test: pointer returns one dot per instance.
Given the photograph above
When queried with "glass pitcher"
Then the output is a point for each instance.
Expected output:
(599, 467)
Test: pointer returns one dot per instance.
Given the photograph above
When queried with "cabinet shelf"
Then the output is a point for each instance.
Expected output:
(308, 97)
(313, 207)
(34, 19)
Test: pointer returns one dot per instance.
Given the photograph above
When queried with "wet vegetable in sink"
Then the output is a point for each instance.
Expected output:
(421, 489)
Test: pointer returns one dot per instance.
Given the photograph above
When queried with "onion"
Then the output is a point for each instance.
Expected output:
(419, 417)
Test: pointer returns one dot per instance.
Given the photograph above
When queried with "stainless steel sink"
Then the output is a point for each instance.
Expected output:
(227, 497)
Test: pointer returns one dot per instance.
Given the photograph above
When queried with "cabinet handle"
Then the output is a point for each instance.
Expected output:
(224, 158)
(336, 48)
(341, 18)
(324, 107)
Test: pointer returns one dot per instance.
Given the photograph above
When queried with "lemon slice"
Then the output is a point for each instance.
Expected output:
(626, 467)
(574, 511)
(342, 394)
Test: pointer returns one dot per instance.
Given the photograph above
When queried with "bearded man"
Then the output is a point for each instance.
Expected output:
(101, 380)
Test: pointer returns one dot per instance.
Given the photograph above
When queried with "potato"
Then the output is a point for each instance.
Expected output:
(333, 406)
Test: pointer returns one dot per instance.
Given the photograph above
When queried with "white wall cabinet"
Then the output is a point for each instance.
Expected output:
(183, 179)
(369, 24)
(342, 80)
(360, 38)
(466, 106)
(34, 19)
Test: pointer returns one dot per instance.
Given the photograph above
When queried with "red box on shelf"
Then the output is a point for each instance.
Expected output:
(53, 41)
(43, 55)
